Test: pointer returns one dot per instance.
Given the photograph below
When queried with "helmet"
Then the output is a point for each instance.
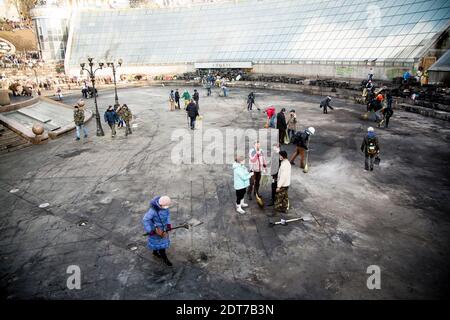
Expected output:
(370, 129)
(329, 98)
(311, 130)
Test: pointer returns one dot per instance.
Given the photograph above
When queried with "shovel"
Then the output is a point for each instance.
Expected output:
(284, 222)
(185, 226)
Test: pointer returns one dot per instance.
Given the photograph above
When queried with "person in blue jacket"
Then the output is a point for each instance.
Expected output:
(241, 182)
(157, 224)
(111, 118)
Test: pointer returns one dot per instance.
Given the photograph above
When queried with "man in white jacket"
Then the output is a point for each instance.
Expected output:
(283, 183)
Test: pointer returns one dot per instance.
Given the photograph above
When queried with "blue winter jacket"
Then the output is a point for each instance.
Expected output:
(157, 217)
(241, 176)
(111, 117)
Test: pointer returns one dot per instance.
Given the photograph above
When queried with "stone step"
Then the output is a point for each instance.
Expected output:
(443, 115)
(10, 141)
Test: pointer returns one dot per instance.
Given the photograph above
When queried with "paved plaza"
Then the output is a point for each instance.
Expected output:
(396, 217)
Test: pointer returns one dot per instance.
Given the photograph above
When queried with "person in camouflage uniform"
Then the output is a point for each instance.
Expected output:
(283, 183)
(78, 118)
(126, 115)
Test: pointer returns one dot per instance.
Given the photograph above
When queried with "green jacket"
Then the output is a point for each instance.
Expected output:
(125, 113)
(78, 116)
(186, 96)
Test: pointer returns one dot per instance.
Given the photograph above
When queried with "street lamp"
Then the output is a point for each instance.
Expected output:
(114, 67)
(91, 73)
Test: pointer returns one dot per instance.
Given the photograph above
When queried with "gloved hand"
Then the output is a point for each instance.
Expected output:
(160, 233)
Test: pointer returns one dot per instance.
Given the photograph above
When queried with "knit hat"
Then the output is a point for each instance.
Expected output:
(164, 201)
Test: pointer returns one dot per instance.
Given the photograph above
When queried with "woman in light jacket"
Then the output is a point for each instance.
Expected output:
(241, 182)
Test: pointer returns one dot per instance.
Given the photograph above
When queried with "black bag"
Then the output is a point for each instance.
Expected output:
(377, 161)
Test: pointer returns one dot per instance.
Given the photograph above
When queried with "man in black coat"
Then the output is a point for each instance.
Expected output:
(281, 125)
(196, 97)
(177, 99)
(192, 112)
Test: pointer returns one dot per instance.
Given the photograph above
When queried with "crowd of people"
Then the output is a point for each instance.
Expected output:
(247, 180)
(11, 25)
(20, 60)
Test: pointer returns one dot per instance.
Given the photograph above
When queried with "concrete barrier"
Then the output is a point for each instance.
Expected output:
(4, 97)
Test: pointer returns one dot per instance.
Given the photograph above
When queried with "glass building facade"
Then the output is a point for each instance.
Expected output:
(51, 25)
(261, 31)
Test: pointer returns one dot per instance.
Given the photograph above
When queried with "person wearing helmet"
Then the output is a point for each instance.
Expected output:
(157, 225)
(301, 140)
(371, 148)
(325, 104)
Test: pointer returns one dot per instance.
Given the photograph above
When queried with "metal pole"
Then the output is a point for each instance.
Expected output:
(115, 87)
(100, 132)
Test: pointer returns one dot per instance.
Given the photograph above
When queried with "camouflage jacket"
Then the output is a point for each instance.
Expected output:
(78, 116)
(125, 113)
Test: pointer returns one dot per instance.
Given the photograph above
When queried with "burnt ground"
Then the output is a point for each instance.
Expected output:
(396, 217)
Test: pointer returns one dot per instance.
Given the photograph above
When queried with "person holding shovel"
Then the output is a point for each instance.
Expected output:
(157, 224)
(301, 139)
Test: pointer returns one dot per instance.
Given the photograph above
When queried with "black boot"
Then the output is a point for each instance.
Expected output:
(156, 254)
(164, 257)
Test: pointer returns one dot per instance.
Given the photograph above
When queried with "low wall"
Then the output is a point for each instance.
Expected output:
(327, 71)
(28, 134)
(324, 71)
(18, 105)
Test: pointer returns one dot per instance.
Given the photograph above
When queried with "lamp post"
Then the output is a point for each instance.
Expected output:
(114, 67)
(91, 73)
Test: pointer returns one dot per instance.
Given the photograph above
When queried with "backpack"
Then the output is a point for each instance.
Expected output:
(296, 138)
(371, 147)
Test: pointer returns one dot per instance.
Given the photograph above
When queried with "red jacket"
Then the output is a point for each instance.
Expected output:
(270, 111)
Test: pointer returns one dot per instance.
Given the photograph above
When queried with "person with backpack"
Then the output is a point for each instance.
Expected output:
(371, 148)
(157, 224)
(325, 104)
(301, 140)
(111, 118)
(241, 182)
